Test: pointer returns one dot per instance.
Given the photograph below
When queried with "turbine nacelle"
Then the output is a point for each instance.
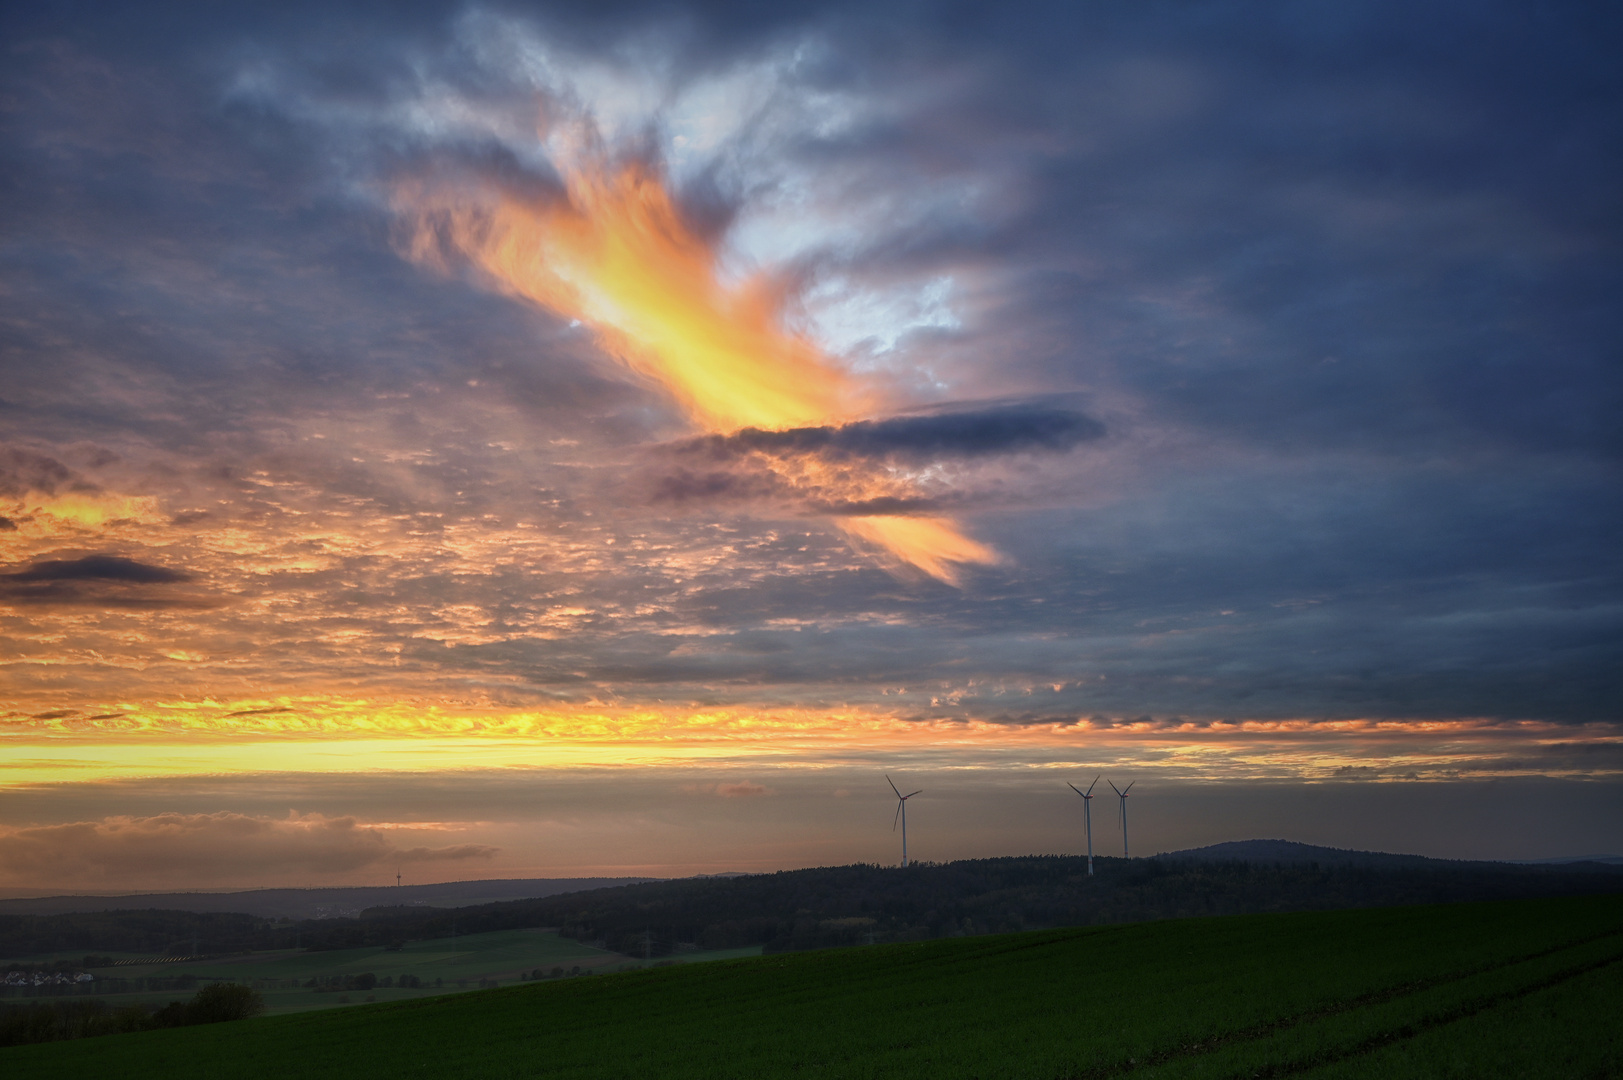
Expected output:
(900, 799)
(1121, 793)
(1088, 794)
(1087, 814)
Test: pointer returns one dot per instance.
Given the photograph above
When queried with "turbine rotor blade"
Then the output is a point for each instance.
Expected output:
(1113, 786)
(920, 791)
(1074, 788)
(1129, 787)
(898, 816)
(1093, 785)
(892, 784)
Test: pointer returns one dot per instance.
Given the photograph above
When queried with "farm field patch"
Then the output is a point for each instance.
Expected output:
(440, 966)
(1332, 994)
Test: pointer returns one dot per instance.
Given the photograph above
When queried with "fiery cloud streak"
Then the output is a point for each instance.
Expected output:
(613, 251)
(361, 736)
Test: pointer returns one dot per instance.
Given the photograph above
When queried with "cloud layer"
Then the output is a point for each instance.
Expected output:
(219, 847)
(383, 474)
(1260, 364)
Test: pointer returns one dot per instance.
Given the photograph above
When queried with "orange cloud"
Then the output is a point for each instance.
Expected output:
(615, 254)
(331, 734)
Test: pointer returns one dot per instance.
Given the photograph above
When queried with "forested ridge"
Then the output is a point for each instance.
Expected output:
(153, 932)
(848, 905)
(841, 905)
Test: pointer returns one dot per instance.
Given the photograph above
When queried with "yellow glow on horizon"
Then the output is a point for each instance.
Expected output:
(357, 736)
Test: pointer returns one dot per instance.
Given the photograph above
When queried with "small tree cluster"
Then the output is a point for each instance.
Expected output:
(81, 1019)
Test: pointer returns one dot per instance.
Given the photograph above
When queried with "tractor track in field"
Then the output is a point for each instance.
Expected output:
(1463, 1011)
(1362, 1001)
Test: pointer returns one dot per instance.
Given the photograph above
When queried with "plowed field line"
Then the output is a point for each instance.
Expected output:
(1353, 1004)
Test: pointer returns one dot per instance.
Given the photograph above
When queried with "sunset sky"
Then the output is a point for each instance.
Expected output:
(484, 440)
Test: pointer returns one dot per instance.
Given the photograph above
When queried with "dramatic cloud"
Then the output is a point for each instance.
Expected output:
(617, 254)
(892, 385)
(866, 469)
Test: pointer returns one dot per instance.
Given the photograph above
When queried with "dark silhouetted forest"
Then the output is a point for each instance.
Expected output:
(841, 905)
(849, 905)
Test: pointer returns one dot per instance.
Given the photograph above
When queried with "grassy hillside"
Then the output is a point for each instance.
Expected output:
(1518, 988)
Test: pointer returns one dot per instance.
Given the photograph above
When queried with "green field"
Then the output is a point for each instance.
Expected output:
(1509, 989)
(443, 965)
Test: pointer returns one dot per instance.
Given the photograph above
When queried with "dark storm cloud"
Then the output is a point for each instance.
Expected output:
(97, 568)
(739, 467)
(978, 433)
(99, 581)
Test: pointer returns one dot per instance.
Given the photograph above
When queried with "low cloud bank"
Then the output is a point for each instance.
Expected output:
(100, 581)
(884, 467)
(98, 568)
(217, 847)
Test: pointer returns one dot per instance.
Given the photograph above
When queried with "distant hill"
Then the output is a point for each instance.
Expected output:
(833, 905)
(318, 903)
(848, 905)
(1290, 852)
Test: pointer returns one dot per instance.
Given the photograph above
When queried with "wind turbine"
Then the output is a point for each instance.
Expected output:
(1087, 815)
(1121, 793)
(901, 813)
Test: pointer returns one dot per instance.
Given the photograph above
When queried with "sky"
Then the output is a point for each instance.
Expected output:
(500, 440)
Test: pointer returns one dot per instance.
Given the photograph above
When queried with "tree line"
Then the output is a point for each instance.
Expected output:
(152, 932)
(858, 904)
(831, 906)
(79, 1019)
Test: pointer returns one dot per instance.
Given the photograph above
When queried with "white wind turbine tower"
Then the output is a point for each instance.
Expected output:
(1121, 793)
(1087, 815)
(901, 813)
